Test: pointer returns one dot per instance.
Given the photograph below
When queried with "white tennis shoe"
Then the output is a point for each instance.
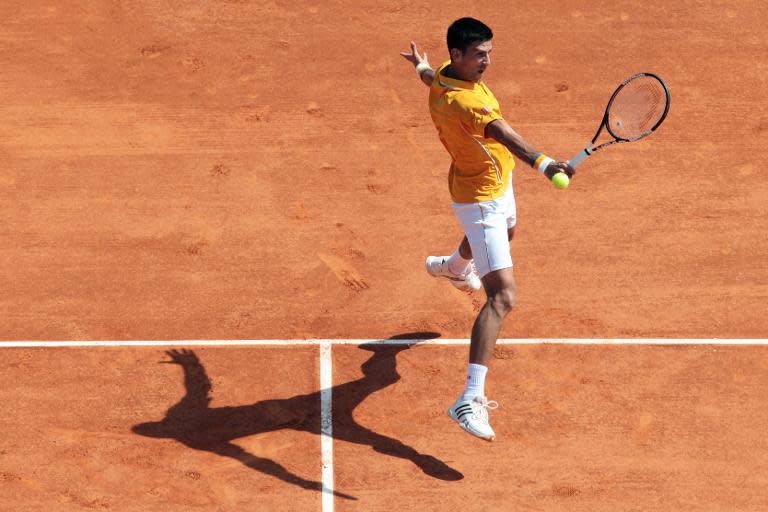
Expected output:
(472, 416)
(437, 266)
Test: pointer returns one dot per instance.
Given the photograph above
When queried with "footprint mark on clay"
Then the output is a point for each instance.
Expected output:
(9, 477)
(193, 65)
(375, 188)
(503, 352)
(238, 319)
(344, 272)
(153, 51)
(195, 248)
(256, 113)
(220, 171)
(565, 491)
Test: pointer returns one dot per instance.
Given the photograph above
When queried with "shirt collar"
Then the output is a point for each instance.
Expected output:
(453, 83)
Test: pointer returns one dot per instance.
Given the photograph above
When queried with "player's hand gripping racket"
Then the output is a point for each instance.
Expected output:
(635, 110)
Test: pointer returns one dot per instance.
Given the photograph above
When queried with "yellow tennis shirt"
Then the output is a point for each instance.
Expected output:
(481, 167)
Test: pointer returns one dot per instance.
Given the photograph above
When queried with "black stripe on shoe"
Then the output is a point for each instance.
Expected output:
(460, 413)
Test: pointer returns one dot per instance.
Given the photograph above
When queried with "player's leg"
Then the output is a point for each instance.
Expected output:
(460, 261)
(500, 289)
(499, 285)
(487, 226)
(458, 267)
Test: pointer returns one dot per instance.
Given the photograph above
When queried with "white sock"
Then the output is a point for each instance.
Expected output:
(475, 381)
(457, 264)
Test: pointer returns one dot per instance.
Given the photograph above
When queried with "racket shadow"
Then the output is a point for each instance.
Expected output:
(193, 423)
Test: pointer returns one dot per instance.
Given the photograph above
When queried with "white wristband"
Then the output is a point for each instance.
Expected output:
(542, 162)
(543, 165)
(422, 67)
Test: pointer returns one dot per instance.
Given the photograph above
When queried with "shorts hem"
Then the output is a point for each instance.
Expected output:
(497, 267)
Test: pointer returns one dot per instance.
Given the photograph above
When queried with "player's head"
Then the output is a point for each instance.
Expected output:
(469, 43)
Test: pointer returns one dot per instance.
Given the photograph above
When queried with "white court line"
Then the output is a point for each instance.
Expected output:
(437, 341)
(326, 424)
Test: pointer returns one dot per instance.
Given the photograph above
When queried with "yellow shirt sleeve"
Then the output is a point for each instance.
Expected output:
(473, 114)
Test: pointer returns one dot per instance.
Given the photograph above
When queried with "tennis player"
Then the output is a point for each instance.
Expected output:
(481, 144)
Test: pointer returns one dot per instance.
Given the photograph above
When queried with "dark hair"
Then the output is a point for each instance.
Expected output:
(465, 31)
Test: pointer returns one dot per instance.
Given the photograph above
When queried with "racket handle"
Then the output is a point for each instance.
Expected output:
(581, 156)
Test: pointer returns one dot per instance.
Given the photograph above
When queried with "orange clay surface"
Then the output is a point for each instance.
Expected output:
(580, 428)
(251, 170)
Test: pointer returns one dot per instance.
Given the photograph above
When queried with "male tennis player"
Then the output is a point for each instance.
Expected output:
(481, 144)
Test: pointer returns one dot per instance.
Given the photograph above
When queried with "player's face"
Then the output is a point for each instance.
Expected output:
(471, 64)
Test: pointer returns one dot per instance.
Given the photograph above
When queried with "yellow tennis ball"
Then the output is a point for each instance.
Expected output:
(561, 180)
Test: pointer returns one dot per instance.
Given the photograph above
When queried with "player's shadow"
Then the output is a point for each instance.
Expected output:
(213, 429)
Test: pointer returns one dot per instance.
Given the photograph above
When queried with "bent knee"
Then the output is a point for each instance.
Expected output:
(503, 301)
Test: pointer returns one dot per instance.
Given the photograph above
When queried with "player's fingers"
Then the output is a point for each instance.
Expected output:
(415, 52)
(563, 167)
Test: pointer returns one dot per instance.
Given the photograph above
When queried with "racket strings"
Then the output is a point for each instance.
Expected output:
(637, 108)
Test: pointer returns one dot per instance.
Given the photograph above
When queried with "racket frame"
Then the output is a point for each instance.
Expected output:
(591, 148)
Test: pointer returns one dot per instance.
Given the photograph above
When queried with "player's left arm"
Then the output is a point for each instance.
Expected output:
(500, 131)
(425, 71)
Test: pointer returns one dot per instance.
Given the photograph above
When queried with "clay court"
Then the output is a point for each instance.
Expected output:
(214, 217)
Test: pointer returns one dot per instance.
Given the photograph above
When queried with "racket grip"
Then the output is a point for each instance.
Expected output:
(581, 156)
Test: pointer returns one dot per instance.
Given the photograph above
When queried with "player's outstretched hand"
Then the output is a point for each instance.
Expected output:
(414, 57)
(556, 167)
(183, 357)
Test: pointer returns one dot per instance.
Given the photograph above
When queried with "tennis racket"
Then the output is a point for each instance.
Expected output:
(637, 108)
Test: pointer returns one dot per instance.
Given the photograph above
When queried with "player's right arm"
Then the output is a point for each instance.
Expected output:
(500, 131)
(425, 71)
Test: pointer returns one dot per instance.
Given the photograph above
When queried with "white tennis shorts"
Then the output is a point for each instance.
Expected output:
(486, 224)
